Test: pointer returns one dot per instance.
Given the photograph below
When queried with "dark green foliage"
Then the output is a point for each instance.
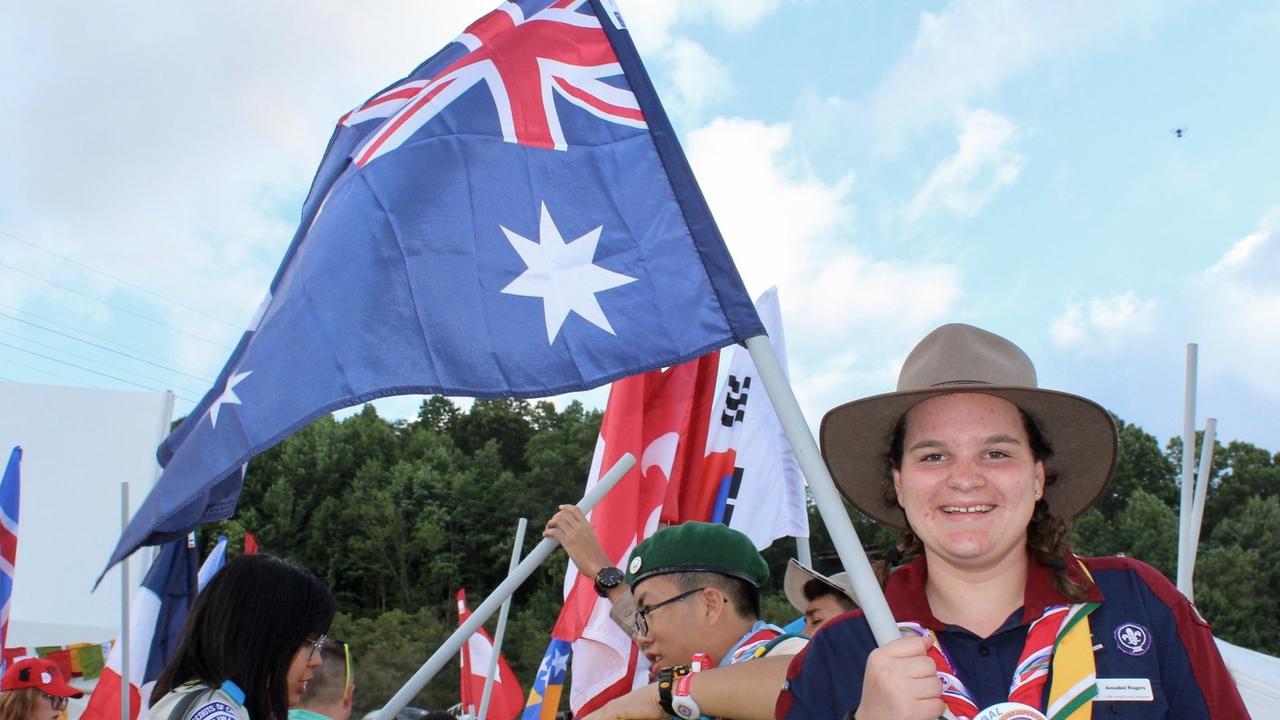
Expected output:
(395, 517)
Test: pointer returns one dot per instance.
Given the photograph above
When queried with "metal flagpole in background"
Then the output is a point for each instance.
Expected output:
(865, 585)
(803, 554)
(1197, 505)
(540, 553)
(1188, 474)
(502, 622)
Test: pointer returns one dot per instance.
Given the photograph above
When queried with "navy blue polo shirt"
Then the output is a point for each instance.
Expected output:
(1143, 629)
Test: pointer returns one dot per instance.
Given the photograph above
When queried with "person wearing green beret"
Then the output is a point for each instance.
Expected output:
(689, 590)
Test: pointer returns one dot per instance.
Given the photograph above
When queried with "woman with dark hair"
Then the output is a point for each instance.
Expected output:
(983, 471)
(34, 689)
(251, 642)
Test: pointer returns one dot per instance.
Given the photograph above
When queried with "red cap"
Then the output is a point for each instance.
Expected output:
(37, 673)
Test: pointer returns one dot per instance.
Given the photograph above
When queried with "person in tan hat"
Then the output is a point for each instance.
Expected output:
(34, 689)
(983, 471)
(818, 598)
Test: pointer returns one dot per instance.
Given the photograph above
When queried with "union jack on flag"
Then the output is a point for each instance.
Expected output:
(10, 488)
(525, 63)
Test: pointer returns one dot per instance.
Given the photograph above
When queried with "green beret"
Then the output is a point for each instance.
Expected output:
(698, 547)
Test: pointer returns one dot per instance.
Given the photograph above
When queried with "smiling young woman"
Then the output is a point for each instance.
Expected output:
(982, 471)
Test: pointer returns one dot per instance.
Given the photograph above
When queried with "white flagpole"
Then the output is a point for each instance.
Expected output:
(865, 585)
(1188, 474)
(124, 608)
(536, 557)
(1202, 491)
(502, 622)
(803, 554)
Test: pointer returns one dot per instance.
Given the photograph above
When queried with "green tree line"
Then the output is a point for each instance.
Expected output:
(397, 516)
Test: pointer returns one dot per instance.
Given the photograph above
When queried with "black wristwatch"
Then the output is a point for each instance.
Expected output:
(607, 579)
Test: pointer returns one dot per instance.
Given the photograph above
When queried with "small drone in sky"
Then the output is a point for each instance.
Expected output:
(1178, 132)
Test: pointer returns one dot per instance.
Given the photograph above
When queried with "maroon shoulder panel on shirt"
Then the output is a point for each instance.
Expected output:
(1216, 684)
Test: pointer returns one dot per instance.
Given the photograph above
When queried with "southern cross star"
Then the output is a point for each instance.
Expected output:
(563, 275)
(228, 396)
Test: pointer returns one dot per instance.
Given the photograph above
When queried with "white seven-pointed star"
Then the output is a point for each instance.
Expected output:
(563, 275)
(228, 396)
(559, 662)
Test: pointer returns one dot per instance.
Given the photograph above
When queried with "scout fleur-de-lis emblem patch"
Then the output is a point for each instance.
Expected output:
(1133, 639)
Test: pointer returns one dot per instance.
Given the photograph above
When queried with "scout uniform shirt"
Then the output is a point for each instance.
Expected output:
(1154, 655)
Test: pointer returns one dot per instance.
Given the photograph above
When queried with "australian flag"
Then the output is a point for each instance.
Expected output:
(513, 219)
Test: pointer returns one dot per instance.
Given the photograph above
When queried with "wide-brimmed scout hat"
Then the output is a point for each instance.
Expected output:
(798, 575)
(960, 358)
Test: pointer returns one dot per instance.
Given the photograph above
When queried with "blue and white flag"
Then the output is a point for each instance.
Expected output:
(213, 562)
(513, 219)
(548, 684)
(10, 491)
(156, 616)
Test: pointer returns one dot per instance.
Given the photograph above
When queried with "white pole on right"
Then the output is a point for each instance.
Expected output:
(124, 608)
(865, 585)
(1202, 492)
(1188, 474)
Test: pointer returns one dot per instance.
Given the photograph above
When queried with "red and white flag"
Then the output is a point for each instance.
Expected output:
(661, 418)
(507, 699)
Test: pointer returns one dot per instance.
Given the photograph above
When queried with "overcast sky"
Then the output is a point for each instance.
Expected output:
(889, 166)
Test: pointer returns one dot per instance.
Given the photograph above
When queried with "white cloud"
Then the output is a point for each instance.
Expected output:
(969, 48)
(787, 227)
(1103, 325)
(984, 163)
(1237, 308)
(698, 77)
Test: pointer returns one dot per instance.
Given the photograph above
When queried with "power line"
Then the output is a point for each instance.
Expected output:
(46, 371)
(89, 370)
(64, 351)
(86, 333)
(110, 304)
(104, 347)
(120, 280)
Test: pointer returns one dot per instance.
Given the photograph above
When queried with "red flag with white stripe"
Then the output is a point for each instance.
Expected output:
(661, 418)
(507, 699)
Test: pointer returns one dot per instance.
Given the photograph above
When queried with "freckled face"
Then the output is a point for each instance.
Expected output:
(968, 481)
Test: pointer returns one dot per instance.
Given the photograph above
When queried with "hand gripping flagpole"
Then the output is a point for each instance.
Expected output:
(536, 557)
(502, 623)
(854, 559)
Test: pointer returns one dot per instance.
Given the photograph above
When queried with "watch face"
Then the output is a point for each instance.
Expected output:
(609, 577)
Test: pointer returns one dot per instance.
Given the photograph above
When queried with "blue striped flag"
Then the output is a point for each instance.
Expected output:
(10, 489)
(544, 696)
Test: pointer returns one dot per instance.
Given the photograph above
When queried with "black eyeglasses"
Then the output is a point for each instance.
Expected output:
(640, 623)
(58, 703)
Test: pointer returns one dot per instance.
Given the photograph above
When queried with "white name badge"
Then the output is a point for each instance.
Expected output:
(1124, 690)
(1010, 711)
